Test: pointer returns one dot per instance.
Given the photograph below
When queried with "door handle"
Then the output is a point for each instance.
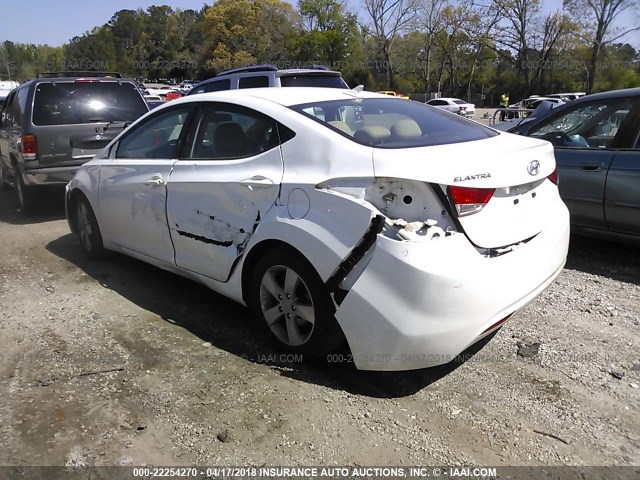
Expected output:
(592, 167)
(155, 181)
(257, 181)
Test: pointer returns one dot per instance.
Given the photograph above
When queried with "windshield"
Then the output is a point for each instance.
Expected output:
(393, 123)
(329, 81)
(65, 103)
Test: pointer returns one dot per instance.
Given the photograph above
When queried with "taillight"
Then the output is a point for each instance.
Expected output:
(470, 200)
(554, 177)
(29, 147)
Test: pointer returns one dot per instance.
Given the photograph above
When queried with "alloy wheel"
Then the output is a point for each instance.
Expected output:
(287, 305)
(85, 229)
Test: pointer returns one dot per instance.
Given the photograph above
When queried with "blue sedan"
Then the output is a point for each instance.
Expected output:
(597, 148)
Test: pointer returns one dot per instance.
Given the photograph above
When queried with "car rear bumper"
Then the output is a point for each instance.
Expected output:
(421, 304)
(50, 175)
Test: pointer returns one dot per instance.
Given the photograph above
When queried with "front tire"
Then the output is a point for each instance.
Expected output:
(87, 229)
(292, 303)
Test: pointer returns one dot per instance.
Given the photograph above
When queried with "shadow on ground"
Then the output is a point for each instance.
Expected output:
(618, 261)
(51, 207)
(229, 326)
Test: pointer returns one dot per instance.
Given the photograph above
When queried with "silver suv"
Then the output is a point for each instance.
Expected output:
(52, 125)
(270, 76)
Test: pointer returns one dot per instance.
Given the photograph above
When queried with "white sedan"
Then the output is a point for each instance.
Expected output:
(454, 105)
(334, 214)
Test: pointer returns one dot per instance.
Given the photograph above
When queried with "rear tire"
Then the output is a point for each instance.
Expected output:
(293, 305)
(87, 229)
(26, 196)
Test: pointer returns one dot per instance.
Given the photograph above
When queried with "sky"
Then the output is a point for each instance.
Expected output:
(54, 23)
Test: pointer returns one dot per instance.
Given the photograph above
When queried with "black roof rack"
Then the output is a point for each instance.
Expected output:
(251, 68)
(77, 73)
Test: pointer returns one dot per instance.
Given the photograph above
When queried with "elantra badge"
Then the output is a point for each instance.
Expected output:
(534, 168)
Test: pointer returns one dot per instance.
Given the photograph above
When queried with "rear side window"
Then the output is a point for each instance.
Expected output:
(217, 86)
(225, 131)
(393, 122)
(258, 81)
(329, 81)
(67, 103)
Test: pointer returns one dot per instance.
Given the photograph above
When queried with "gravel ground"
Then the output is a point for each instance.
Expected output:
(118, 363)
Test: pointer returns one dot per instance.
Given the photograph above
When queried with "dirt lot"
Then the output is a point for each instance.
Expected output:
(118, 363)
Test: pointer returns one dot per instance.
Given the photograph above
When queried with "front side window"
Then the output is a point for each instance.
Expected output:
(158, 137)
(393, 122)
(223, 131)
(590, 125)
(76, 102)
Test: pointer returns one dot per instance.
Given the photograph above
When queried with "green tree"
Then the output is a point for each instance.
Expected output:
(242, 32)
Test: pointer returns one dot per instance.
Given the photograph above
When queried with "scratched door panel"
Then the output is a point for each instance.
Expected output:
(214, 206)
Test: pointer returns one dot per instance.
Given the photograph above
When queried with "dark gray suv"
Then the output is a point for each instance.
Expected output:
(52, 125)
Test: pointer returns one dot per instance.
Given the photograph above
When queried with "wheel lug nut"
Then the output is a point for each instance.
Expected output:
(293, 307)
(279, 297)
(281, 309)
(288, 296)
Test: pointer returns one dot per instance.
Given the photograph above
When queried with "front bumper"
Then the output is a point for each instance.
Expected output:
(421, 304)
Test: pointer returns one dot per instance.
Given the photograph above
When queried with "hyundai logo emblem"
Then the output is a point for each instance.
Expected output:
(534, 168)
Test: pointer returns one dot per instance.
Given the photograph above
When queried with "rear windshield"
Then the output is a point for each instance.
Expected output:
(459, 102)
(329, 81)
(66, 103)
(393, 122)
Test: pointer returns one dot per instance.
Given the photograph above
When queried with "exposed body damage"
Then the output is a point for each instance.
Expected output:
(208, 229)
(419, 235)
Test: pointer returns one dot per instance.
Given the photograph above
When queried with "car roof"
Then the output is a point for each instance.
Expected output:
(73, 79)
(626, 92)
(288, 96)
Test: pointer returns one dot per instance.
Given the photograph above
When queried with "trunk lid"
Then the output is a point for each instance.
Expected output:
(516, 167)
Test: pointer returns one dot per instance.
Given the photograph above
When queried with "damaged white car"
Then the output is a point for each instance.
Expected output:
(334, 214)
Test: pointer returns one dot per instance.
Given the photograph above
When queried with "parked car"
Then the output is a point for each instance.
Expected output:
(454, 105)
(541, 109)
(270, 76)
(535, 100)
(393, 93)
(187, 84)
(154, 101)
(430, 236)
(161, 91)
(567, 97)
(5, 88)
(597, 147)
(50, 126)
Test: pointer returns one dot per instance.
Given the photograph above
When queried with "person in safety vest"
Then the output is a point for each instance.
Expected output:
(504, 103)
